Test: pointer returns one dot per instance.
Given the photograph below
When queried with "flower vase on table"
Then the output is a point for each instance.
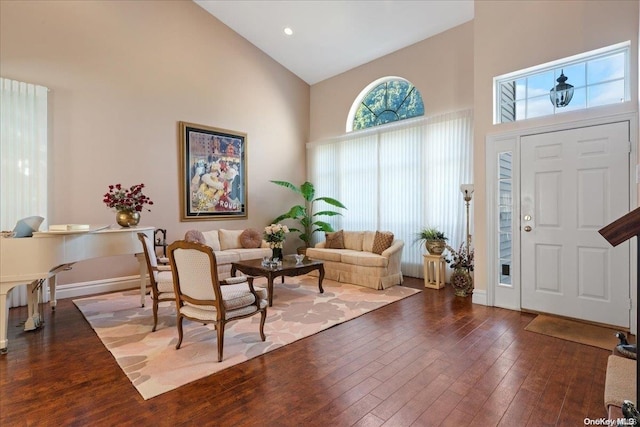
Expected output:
(127, 202)
(276, 253)
(128, 218)
(274, 236)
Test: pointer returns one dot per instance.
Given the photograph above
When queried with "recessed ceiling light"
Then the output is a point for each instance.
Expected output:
(288, 31)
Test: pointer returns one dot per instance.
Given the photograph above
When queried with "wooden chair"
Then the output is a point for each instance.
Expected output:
(202, 297)
(160, 277)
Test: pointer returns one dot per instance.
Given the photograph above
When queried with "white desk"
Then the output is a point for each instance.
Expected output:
(32, 259)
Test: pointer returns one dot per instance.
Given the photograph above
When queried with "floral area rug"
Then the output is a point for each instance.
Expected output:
(154, 366)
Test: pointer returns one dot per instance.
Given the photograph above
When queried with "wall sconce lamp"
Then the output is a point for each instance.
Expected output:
(561, 94)
(467, 193)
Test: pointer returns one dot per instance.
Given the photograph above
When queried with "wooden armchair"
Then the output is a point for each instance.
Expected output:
(160, 277)
(202, 297)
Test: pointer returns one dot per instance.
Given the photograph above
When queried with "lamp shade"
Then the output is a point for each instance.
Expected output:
(466, 190)
(561, 94)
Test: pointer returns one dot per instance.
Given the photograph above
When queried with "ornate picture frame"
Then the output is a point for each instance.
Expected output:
(213, 173)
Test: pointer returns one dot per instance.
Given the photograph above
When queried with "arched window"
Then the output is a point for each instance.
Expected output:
(386, 100)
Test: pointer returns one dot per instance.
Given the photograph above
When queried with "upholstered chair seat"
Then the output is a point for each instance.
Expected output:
(237, 300)
(164, 280)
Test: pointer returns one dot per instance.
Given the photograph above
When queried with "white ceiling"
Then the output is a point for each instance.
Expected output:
(333, 36)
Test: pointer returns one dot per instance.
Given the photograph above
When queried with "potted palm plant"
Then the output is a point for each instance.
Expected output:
(433, 240)
(305, 215)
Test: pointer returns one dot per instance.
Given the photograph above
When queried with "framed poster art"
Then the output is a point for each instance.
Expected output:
(213, 173)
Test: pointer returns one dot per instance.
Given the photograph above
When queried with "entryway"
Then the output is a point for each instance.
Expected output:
(566, 184)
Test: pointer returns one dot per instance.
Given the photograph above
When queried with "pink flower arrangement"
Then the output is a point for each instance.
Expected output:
(274, 234)
(126, 199)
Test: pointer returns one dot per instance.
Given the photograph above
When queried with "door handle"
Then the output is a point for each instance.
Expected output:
(527, 228)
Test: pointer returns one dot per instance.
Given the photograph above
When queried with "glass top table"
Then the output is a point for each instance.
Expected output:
(289, 267)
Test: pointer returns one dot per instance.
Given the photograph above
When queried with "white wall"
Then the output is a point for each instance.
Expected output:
(122, 74)
(441, 68)
(455, 70)
(514, 35)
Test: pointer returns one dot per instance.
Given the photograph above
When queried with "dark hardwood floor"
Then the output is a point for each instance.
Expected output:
(430, 359)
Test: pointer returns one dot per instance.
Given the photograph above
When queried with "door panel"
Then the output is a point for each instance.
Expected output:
(548, 268)
(548, 197)
(573, 183)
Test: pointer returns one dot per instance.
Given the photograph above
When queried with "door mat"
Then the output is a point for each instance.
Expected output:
(580, 332)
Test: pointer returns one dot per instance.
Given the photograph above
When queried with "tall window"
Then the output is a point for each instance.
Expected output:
(599, 77)
(23, 156)
(505, 180)
(384, 101)
(401, 177)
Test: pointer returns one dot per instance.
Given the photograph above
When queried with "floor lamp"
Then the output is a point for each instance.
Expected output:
(467, 192)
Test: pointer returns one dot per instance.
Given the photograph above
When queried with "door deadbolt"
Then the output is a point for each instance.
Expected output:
(527, 217)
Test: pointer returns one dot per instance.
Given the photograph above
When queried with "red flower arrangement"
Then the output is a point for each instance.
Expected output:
(126, 199)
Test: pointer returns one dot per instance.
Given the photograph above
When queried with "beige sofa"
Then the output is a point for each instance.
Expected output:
(228, 247)
(358, 264)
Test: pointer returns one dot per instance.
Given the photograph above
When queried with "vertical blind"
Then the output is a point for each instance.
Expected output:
(23, 156)
(401, 178)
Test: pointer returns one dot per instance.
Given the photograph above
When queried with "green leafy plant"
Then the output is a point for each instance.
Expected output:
(432, 239)
(429, 234)
(309, 224)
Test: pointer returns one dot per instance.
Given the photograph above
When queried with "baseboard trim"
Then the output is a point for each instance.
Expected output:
(479, 297)
(73, 290)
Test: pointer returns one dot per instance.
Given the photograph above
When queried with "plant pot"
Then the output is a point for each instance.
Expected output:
(302, 250)
(435, 247)
(127, 218)
(462, 282)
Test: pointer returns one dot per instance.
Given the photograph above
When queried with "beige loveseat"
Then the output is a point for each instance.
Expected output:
(357, 263)
(232, 246)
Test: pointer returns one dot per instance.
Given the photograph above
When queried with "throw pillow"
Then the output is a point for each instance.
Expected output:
(229, 239)
(250, 238)
(212, 239)
(382, 241)
(195, 236)
(334, 240)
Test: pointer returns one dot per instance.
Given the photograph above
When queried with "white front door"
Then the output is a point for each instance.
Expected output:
(573, 183)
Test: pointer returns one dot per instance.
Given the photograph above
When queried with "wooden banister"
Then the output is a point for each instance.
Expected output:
(622, 229)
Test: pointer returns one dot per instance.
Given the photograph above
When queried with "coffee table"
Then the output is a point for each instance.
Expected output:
(289, 267)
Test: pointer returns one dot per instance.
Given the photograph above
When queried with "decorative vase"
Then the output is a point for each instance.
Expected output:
(127, 218)
(276, 253)
(435, 247)
(462, 282)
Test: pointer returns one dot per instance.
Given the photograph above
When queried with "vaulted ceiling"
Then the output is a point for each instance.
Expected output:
(332, 36)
